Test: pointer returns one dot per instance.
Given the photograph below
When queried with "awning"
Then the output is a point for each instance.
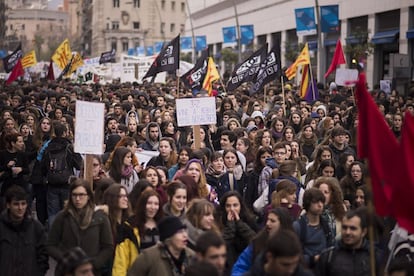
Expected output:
(330, 42)
(385, 37)
(410, 34)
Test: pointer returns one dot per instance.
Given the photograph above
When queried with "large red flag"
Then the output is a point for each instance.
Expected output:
(337, 59)
(16, 72)
(377, 143)
(403, 187)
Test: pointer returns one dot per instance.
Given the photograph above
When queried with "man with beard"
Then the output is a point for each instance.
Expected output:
(350, 256)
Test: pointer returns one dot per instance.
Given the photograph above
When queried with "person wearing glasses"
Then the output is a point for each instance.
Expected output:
(78, 224)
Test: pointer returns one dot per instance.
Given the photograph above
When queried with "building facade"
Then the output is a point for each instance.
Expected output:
(386, 27)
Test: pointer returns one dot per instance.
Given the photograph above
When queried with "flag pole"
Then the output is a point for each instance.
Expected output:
(283, 95)
(178, 83)
(311, 78)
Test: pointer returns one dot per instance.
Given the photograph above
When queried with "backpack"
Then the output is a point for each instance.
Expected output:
(325, 227)
(59, 170)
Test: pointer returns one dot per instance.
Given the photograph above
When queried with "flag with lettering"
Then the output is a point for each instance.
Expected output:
(107, 57)
(29, 59)
(62, 55)
(194, 78)
(168, 60)
(11, 60)
(247, 70)
(269, 70)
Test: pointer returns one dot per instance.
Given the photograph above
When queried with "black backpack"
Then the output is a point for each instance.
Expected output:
(59, 170)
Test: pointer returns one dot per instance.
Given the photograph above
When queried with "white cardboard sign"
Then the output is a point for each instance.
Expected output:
(196, 111)
(346, 77)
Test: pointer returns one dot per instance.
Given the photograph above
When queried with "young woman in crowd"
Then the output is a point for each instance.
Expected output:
(295, 121)
(277, 218)
(121, 169)
(234, 170)
(168, 155)
(321, 153)
(153, 176)
(308, 141)
(183, 156)
(326, 168)
(263, 139)
(244, 146)
(195, 169)
(236, 223)
(285, 196)
(217, 176)
(352, 180)
(177, 200)
(199, 218)
(288, 134)
(79, 225)
(277, 127)
(345, 161)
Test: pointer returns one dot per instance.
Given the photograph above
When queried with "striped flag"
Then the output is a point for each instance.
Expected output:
(211, 75)
(29, 59)
(308, 89)
(302, 59)
(76, 63)
(62, 55)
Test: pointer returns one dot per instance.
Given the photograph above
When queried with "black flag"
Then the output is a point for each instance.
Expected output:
(194, 78)
(269, 70)
(167, 60)
(107, 57)
(247, 70)
(11, 60)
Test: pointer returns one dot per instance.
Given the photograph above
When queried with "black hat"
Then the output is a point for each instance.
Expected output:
(168, 226)
(71, 260)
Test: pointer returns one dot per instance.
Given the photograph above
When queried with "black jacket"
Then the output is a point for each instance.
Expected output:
(22, 247)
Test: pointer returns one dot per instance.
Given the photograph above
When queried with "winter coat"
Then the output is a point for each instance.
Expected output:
(126, 248)
(22, 247)
(154, 261)
(96, 240)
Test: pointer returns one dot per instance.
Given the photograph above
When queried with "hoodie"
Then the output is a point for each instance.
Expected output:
(149, 144)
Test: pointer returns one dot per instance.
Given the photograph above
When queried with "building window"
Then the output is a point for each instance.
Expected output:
(162, 29)
(116, 3)
(172, 28)
(51, 27)
(135, 25)
(23, 26)
(182, 28)
(163, 4)
(37, 27)
(136, 3)
(173, 5)
(115, 25)
(124, 45)
(182, 7)
(113, 44)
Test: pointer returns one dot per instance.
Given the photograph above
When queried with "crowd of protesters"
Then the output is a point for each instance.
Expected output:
(275, 188)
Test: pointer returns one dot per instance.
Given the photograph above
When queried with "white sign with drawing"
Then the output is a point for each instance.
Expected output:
(89, 127)
(346, 77)
(196, 111)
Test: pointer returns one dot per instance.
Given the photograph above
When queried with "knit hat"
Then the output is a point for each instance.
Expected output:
(71, 260)
(250, 128)
(257, 114)
(168, 226)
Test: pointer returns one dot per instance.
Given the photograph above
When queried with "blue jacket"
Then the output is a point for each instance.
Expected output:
(244, 262)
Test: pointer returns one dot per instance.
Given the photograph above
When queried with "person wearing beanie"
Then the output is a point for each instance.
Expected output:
(170, 256)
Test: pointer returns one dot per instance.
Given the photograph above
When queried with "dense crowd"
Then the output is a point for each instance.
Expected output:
(275, 187)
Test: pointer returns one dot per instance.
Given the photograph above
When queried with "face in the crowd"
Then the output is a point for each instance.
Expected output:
(280, 155)
(152, 177)
(166, 116)
(133, 147)
(356, 172)
(291, 198)
(132, 126)
(84, 270)
(170, 128)
(283, 266)
(266, 139)
(225, 142)
(30, 121)
(183, 157)
(308, 132)
(352, 233)
(328, 171)
(305, 112)
(165, 149)
(25, 130)
(241, 146)
(313, 124)
(152, 207)
(96, 167)
(160, 101)
(316, 208)
(17, 209)
(272, 223)
(397, 121)
(230, 160)
(19, 144)
(295, 119)
(6, 115)
(164, 179)
(216, 256)
(153, 133)
(295, 147)
(326, 155)
(9, 125)
(289, 134)
(112, 126)
(179, 240)
(202, 134)
(128, 159)
(279, 126)
(232, 205)
(349, 160)
(123, 199)
(146, 119)
(288, 151)
(45, 126)
(79, 197)
(58, 114)
(263, 158)
(232, 125)
(324, 188)
(207, 220)
(339, 139)
(359, 198)
(194, 170)
(218, 164)
(179, 200)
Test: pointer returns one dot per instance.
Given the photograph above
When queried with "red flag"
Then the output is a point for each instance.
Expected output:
(403, 187)
(337, 59)
(50, 72)
(16, 72)
(377, 143)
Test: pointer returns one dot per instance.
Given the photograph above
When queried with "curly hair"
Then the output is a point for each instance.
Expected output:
(336, 202)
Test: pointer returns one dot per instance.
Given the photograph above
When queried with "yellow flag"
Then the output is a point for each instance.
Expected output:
(29, 59)
(211, 75)
(76, 63)
(302, 59)
(63, 54)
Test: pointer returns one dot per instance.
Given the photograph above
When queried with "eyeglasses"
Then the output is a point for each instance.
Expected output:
(79, 195)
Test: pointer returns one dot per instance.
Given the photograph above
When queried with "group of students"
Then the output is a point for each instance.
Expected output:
(266, 166)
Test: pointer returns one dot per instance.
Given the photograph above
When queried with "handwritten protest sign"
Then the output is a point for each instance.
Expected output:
(196, 111)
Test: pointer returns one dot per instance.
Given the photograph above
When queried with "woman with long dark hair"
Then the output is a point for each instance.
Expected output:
(122, 170)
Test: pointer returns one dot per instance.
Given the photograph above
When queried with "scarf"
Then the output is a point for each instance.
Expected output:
(82, 217)
(211, 171)
(127, 171)
(178, 265)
